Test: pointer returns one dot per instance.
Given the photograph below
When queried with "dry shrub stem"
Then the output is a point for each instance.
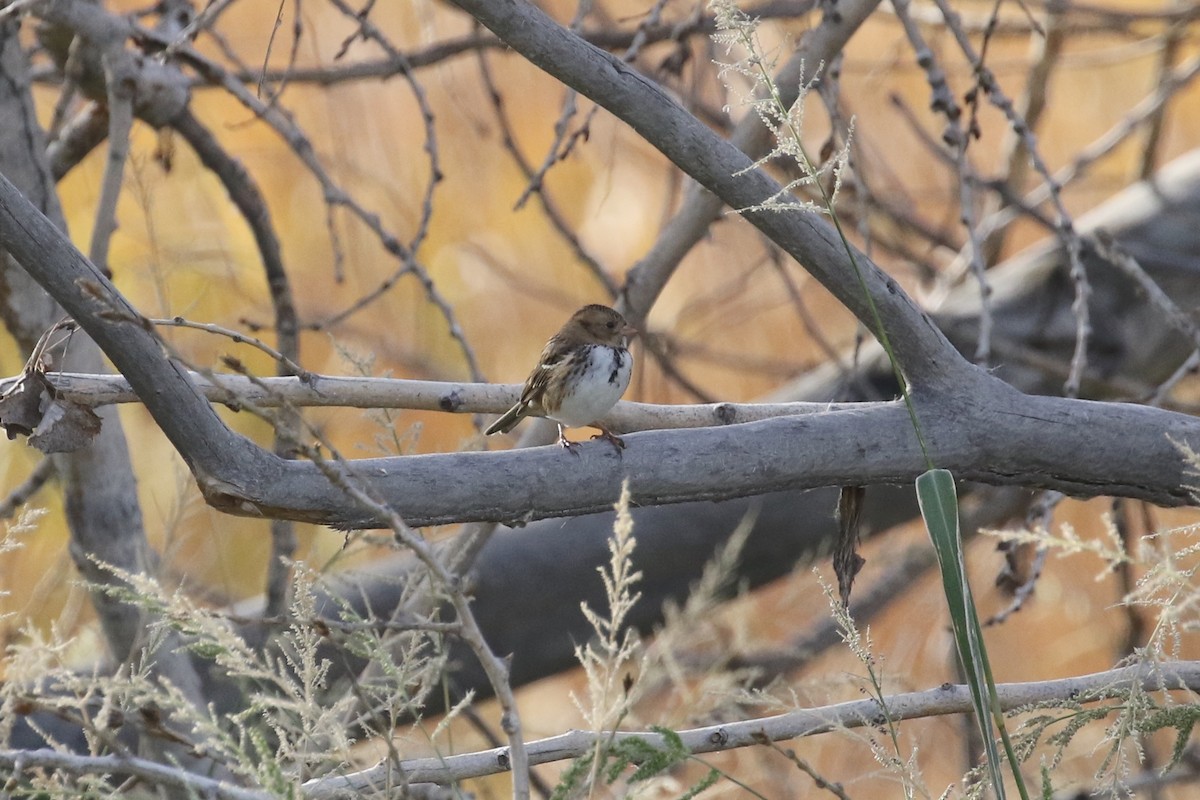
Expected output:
(945, 699)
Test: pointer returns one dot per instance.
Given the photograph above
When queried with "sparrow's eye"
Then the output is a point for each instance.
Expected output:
(611, 325)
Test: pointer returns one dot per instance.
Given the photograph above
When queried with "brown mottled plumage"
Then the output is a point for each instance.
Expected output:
(582, 372)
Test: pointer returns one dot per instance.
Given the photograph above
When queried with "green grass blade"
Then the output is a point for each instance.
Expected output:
(938, 499)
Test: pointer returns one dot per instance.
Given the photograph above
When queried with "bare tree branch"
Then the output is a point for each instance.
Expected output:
(28, 487)
(723, 169)
(100, 492)
(946, 699)
(312, 389)
(986, 430)
(701, 207)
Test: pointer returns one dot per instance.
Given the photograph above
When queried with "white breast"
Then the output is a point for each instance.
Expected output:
(599, 387)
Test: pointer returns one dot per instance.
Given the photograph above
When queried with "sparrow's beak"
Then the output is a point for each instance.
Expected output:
(629, 331)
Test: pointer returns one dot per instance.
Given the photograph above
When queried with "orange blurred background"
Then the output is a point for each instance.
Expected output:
(182, 249)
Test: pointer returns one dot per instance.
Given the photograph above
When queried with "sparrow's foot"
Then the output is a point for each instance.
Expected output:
(564, 442)
(608, 435)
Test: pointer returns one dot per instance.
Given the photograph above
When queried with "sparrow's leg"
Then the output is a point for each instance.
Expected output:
(617, 441)
(563, 441)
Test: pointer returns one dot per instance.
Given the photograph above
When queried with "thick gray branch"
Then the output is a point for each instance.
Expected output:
(1003, 438)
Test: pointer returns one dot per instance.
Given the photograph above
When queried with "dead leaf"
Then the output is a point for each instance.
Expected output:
(66, 426)
(21, 405)
(846, 560)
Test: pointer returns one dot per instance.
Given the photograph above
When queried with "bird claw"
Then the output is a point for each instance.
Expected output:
(616, 441)
(571, 447)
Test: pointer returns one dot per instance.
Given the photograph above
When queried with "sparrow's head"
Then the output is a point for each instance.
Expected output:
(599, 325)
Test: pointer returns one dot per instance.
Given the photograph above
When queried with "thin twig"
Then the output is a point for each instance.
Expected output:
(694, 25)
(1173, 38)
(944, 700)
(835, 789)
(238, 338)
(408, 263)
(1109, 250)
(647, 278)
(335, 196)
(16, 498)
(120, 123)
(1188, 367)
(314, 389)
(1064, 225)
(1024, 591)
(549, 207)
(1048, 47)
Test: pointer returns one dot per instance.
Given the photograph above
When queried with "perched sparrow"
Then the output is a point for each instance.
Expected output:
(581, 374)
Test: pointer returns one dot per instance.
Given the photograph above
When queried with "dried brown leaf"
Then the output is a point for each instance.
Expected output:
(21, 405)
(65, 426)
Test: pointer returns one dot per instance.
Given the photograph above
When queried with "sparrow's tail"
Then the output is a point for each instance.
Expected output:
(507, 422)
